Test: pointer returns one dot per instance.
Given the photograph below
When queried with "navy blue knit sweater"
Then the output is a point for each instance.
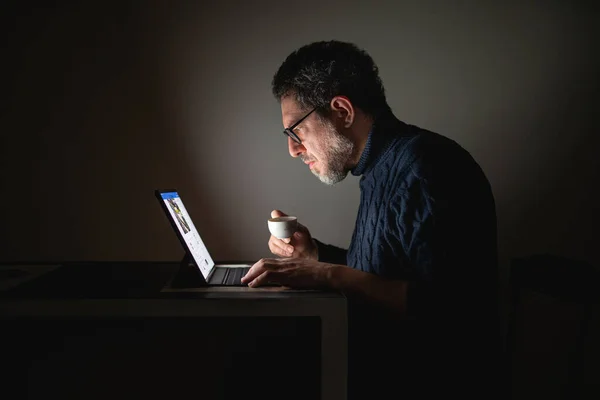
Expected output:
(426, 213)
(427, 216)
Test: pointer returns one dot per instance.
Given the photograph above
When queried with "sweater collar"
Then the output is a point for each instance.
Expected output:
(383, 132)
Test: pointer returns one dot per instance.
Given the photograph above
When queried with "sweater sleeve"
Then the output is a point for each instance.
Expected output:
(438, 241)
(422, 232)
(331, 254)
(449, 292)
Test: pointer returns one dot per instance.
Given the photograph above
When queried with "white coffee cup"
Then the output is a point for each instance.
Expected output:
(283, 227)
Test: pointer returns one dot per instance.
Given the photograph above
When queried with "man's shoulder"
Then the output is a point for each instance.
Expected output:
(434, 162)
(433, 153)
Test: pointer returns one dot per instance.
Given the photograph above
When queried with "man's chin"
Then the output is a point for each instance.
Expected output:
(330, 178)
(315, 173)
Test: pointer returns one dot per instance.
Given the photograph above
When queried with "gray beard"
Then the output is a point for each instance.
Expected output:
(338, 153)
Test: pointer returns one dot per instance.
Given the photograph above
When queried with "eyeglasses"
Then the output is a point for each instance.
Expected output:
(290, 131)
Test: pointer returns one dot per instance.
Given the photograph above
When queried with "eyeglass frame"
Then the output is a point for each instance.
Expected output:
(290, 131)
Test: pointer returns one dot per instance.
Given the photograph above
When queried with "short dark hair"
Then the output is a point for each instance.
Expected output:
(319, 71)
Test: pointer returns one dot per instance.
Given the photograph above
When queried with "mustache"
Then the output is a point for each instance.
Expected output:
(306, 159)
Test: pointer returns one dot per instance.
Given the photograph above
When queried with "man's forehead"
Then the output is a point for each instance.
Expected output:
(290, 110)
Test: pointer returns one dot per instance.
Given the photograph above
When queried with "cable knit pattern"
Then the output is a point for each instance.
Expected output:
(426, 212)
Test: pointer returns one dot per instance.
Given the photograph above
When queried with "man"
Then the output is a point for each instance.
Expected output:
(420, 271)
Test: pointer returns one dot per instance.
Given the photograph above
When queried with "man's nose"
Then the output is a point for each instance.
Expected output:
(295, 148)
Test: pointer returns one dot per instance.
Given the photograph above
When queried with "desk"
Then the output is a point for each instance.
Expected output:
(134, 298)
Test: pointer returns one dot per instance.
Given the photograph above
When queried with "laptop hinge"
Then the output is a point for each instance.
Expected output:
(188, 275)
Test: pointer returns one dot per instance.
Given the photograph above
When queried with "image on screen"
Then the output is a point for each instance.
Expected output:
(189, 233)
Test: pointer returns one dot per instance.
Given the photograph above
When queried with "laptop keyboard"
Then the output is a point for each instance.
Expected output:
(233, 276)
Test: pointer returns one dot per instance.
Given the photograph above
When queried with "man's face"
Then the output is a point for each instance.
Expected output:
(324, 148)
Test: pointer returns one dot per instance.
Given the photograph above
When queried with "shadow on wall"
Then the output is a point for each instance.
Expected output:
(92, 134)
(557, 209)
(552, 206)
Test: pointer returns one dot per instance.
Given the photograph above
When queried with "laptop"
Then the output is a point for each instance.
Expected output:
(197, 258)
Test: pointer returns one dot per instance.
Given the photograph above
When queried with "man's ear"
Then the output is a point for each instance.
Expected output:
(342, 108)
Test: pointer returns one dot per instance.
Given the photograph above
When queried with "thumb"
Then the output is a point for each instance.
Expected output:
(277, 213)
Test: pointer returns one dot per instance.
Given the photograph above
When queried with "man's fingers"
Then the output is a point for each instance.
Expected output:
(259, 280)
(280, 248)
(258, 268)
(268, 277)
(278, 213)
(301, 228)
(255, 270)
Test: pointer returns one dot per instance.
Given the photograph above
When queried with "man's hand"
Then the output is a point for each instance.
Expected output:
(302, 273)
(298, 273)
(300, 245)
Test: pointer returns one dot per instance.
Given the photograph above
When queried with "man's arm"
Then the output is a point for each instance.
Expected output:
(330, 254)
(370, 287)
(312, 274)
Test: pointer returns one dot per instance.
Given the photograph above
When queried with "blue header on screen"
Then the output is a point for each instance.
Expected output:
(169, 195)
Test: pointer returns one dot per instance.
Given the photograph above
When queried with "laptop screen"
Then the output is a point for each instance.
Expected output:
(188, 231)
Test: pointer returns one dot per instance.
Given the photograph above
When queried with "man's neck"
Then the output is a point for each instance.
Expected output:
(360, 134)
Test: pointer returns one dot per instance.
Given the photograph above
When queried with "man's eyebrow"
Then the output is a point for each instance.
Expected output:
(294, 118)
